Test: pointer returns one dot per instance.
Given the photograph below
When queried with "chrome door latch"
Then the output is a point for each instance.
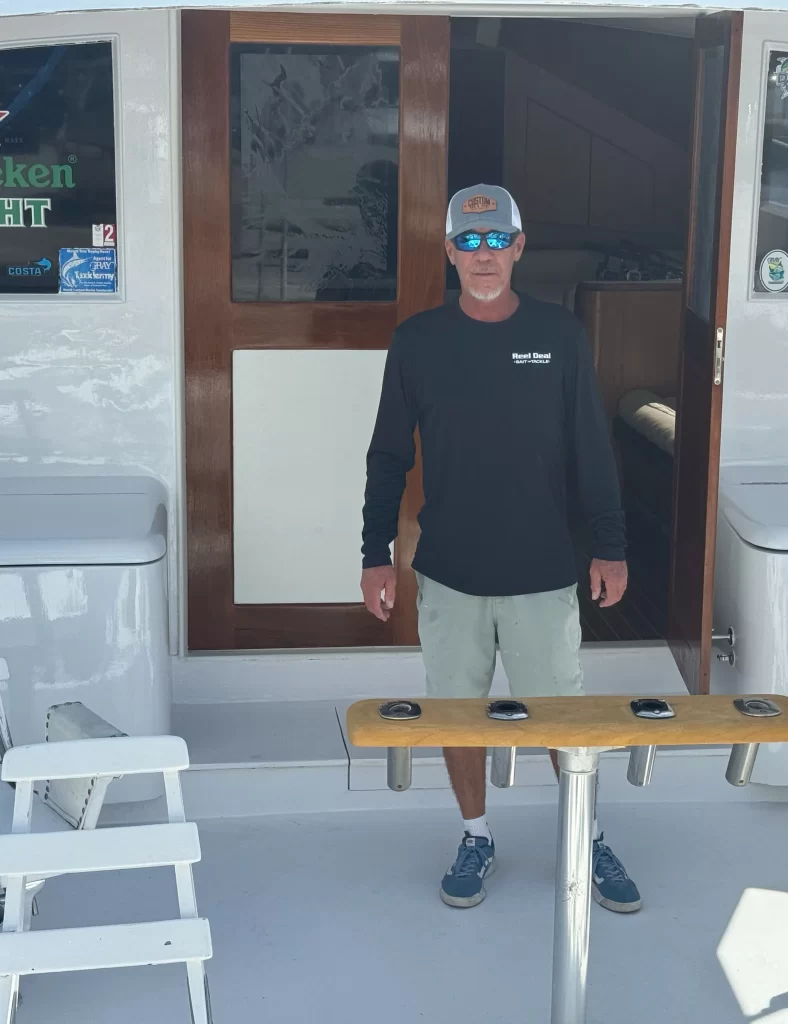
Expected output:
(719, 348)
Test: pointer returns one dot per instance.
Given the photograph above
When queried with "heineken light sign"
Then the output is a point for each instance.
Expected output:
(57, 169)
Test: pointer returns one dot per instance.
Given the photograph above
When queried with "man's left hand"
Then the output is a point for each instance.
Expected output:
(610, 575)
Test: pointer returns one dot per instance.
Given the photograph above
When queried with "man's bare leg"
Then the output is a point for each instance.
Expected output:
(467, 767)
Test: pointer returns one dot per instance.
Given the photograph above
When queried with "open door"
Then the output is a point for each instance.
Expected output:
(696, 475)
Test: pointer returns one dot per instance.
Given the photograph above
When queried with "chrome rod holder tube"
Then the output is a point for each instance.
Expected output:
(503, 767)
(576, 799)
(741, 763)
(399, 768)
(641, 765)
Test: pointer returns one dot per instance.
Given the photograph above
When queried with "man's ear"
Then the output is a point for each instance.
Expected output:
(450, 250)
(519, 245)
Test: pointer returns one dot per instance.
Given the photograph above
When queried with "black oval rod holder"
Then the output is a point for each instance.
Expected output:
(651, 707)
(757, 707)
(400, 710)
(507, 711)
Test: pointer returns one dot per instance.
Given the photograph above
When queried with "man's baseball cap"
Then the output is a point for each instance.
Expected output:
(482, 208)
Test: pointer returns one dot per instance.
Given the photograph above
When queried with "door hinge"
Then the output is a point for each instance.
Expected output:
(719, 349)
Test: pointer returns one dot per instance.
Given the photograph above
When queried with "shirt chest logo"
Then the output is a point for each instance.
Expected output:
(531, 358)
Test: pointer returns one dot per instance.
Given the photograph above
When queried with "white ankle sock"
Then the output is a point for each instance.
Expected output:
(478, 827)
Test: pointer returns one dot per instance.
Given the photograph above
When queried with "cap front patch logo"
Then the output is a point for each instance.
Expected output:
(479, 204)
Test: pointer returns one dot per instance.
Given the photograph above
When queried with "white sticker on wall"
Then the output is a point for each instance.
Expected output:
(774, 270)
(103, 236)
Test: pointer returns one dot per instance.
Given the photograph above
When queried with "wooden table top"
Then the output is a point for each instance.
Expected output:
(568, 722)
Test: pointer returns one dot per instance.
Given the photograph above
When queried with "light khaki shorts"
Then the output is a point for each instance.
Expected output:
(538, 636)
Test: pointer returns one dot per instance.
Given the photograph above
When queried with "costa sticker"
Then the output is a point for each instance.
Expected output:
(774, 271)
(479, 204)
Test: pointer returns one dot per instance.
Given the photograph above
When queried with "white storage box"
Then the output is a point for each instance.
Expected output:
(83, 605)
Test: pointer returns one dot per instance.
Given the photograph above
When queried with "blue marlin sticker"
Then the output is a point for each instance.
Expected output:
(88, 270)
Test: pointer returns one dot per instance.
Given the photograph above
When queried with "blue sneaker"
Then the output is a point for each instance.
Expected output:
(463, 883)
(612, 886)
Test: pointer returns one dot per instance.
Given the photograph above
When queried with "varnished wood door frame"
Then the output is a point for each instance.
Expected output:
(214, 326)
(699, 420)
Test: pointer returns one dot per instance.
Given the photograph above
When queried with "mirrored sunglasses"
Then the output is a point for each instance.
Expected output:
(470, 241)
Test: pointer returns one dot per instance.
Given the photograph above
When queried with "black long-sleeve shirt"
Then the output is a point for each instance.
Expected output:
(507, 412)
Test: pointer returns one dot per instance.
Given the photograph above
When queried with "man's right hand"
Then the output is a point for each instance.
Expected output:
(379, 587)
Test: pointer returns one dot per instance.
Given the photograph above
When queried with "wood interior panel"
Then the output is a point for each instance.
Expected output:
(699, 410)
(313, 29)
(424, 181)
(206, 232)
(634, 329)
(567, 722)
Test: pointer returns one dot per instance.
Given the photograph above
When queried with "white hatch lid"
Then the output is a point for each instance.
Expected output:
(754, 500)
(107, 520)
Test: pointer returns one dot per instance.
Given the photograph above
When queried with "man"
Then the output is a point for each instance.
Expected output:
(503, 391)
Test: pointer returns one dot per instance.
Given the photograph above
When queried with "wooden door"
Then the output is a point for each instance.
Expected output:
(231, 304)
(718, 59)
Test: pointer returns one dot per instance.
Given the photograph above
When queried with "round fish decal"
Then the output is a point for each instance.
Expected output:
(774, 270)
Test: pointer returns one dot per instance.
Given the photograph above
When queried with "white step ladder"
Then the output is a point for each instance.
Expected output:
(24, 855)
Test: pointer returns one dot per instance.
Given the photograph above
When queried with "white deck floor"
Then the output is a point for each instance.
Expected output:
(335, 919)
